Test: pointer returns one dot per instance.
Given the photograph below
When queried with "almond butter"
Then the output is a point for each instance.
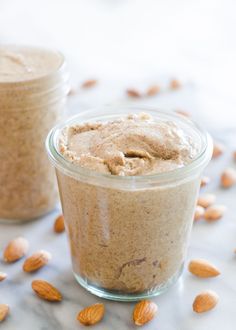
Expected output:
(206, 200)
(89, 83)
(4, 310)
(15, 249)
(228, 178)
(214, 212)
(202, 268)
(91, 314)
(3, 276)
(218, 149)
(205, 301)
(144, 311)
(133, 93)
(59, 225)
(199, 212)
(175, 84)
(204, 181)
(153, 90)
(46, 291)
(36, 261)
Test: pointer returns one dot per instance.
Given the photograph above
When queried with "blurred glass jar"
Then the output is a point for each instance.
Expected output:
(33, 89)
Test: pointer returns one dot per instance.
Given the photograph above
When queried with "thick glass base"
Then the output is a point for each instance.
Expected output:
(121, 296)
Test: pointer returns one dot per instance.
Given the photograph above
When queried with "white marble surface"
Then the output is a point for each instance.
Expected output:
(127, 44)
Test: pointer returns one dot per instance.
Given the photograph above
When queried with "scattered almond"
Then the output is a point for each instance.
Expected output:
(36, 261)
(4, 310)
(206, 200)
(175, 84)
(183, 113)
(3, 276)
(153, 90)
(144, 311)
(205, 301)
(199, 212)
(133, 93)
(218, 149)
(89, 83)
(91, 314)
(46, 290)
(202, 268)
(214, 212)
(59, 225)
(15, 249)
(234, 155)
(228, 178)
(73, 91)
(204, 181)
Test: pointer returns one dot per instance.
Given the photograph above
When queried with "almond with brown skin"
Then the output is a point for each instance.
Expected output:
(144, 311)
(175, 84)
(91, 314)
(4, 310)
(228, 178)
(59, 225)
(36, 261)
(89, 83)
(3, 276)
(199, 212)
(131, 92)
(15, 249)
(46, 291)
(183, 113)
(202, 268)
(234, 155)
(214, 212)
(206, 200)
(205, 301)
(204, 181)
(153, 90)
(218, 149)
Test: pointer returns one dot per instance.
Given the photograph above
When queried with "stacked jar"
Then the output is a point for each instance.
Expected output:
(33, 89)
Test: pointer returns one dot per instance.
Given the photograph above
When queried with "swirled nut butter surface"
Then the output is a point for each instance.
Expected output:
(134, 145)
(31, 102)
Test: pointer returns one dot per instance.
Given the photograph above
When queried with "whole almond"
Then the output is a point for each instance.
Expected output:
(133, 93)
(46, 291)
(218, 149)
(36, 261)
(59, 225)
(214, 212)
(204, 181)
(202, 268)
(205, 301)
(15, 249)
(3, 276)
(206, 200)
(228, 178)
(234, 155)
(89, 83)
(4, 310)
(175, 84)
(144, 311)
(183, 113)
(199, 212)
(91, 314)
(153, 90)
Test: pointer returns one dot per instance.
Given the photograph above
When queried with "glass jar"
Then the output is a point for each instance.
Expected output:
(128, 234)
(33, 88)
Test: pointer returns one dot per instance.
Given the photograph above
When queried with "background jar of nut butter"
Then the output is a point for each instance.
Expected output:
(33, 88)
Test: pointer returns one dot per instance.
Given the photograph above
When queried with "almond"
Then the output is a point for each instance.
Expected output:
(133, 93)
(4, 310)
(183, 113)
(206, 200)
(46, 290)
(205, 301)
(218, 149)
(73, 91)
(89, 83)
(153, 90)
(199, 212)
(204, 181)
(175, 84)
(234, 155)
(36, 261)
(91, 314)
(59, 225)
(15, 249)
(202, 268)
(214, 212)
(3, 276)
(144, 311)
(228, 178)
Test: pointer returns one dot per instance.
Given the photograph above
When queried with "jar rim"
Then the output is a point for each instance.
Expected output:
(126, 182)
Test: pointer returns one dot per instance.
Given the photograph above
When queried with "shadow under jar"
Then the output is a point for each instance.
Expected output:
(128, 234)
(33, 87)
